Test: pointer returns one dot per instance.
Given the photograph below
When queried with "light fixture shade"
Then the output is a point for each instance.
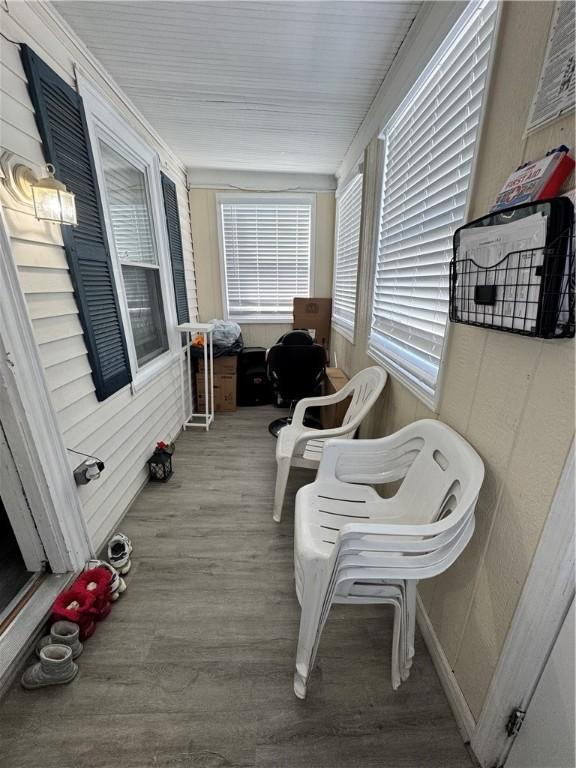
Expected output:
(52, 201)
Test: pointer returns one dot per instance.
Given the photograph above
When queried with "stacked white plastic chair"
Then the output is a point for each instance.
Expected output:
(352, 545)
(300, 446)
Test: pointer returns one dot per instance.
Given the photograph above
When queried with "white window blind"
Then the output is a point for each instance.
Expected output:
(349, 214)
(429, 149)
(267, 256)
(126, 195)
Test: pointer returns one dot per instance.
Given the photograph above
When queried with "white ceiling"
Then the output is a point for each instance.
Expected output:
(267, 86)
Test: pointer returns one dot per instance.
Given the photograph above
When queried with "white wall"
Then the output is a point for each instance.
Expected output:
(203, 211)
(511, 397)
(123, 429)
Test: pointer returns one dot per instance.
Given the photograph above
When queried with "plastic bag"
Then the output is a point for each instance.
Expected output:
(225, 332)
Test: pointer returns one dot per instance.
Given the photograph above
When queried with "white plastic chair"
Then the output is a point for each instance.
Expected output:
(352, 545)
(300, 446)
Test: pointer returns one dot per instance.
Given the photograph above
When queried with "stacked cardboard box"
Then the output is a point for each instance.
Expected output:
(314, 315)
(224, 384)
(333, 415)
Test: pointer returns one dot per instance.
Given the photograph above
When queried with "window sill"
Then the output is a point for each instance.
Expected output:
(262, 320)
(155, 368)
(347, 332)
(430, 399)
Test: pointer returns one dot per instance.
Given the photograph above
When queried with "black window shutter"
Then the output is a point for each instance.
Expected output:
(175, 244)
(62, 125)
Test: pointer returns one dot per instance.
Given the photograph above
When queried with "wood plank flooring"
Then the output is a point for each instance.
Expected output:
(193, 669)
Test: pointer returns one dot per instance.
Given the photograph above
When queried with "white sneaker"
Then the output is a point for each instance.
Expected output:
(117, 584)
(119, 550)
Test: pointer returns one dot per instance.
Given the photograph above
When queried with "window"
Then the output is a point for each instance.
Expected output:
(348, 218)
(142, 235)
(131, 225)
(266, 248)
(429, 148)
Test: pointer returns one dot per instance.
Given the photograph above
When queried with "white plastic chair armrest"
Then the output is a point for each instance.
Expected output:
(322, 434)
(313, 402)
(377, 466)
(419, 531)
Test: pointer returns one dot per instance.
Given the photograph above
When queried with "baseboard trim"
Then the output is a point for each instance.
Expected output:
(461, 710)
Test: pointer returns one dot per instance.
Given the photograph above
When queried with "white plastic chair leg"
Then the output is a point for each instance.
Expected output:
(399, 668)
(309, 636)
(396, 667)
(411, 613)
(282, 472)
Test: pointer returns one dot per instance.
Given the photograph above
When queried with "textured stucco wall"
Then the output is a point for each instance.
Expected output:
(511, 397)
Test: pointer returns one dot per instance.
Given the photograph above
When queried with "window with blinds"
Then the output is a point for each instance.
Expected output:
(348, 218)
(127, 199)
(267, 253)
(429, 148)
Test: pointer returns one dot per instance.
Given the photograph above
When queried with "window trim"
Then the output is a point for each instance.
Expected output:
(347, 329)
(223, 198)
(432, 401)
(106, 124)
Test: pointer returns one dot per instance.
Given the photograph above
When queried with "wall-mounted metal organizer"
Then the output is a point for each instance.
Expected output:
(513, 270)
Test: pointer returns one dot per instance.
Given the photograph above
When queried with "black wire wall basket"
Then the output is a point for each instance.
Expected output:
(529, 291)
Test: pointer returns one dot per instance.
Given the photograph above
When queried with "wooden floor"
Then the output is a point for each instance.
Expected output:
(193, 669)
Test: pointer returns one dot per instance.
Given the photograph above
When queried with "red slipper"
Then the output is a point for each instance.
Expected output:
(96, 582)
(76, 605)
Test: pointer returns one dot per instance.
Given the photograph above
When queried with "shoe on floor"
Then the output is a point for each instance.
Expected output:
(63, 633)
(76, 605)
(117, 584)
(55, 667)
(119, 550)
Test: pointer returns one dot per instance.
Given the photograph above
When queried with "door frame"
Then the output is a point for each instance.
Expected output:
(547, 732)
(29, 422)
(17, 510)
(545, 600)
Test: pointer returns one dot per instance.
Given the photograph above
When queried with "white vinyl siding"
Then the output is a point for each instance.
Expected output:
(429, 150)
(123, 429)
(266, 250)
(348, 220)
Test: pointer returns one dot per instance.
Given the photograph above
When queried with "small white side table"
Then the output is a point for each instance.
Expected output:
(189, 417)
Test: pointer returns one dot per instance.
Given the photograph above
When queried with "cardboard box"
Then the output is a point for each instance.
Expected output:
(336, 378)
(332, 415)
(316, 314)
(224, 393)
(225, 365)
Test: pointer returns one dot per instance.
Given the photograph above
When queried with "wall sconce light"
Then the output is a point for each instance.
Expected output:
(49, 196)
(52, 201)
